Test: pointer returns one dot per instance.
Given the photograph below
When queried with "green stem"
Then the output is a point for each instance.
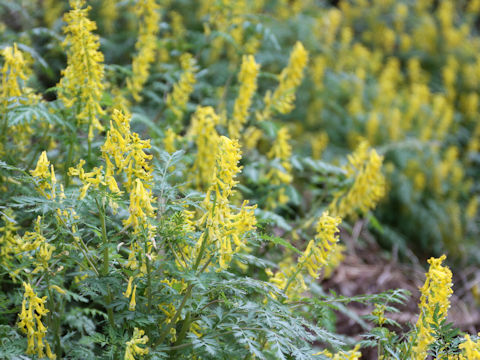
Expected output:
(53, 320)
(177, 314)
(106, 261)
(68, 163)
(149, 283)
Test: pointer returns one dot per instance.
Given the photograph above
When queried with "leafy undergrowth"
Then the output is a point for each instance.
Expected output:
(183, 179)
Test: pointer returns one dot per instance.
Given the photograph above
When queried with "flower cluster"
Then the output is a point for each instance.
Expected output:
(434, 302)
(133, 349)
(82, 85)
(281, 174)
(365, 170)
(147, 11)
(283, 98)
(248, 86)
(33, 309)
(177, 100)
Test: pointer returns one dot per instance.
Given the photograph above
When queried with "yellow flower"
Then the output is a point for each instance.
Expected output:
(223, 227)
(147, 12)
(353, 354)
(315, 257)
(281, 151)
(290, 78)
(126, 151)
(95, 177)
(207, 139)
(470, 349)
(133, 303)
(30, 322)
(132, 346)
(46, 179)
(248, 85)
(140, 206)
(169, 141)
(435, 298)
(365, 169)
(82, 80)
(13, 72)
(178, 99)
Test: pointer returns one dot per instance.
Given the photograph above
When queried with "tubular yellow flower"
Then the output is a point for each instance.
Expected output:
(290, 78)
(125, 149)
(46, 179)
(8, 240)
(281, 151)
(169, 141)
(222, 227)
(368, 183)
(207, 140)
(13, 72)
(147, 12)
(435, 297)
(30, 322)
(178, 99)
(317, 252)
(353, 354)
(95, 177)
(470, 349)
(133, 303)
(82, 80)
(140, 206)
(133, 349)
(248, 85)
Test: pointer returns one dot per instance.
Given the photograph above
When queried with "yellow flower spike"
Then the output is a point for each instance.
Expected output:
(30, 322)
(470, 349)
(177, 100)
(14, 74)
(132, 348)
(368, 188)
(58, 289)
(169, 141)
(283, 98)
(41, 169)
(147, 12)
(207, 139)
(47, 179)
(82, 80)
(316, 255)
(435, 296)
(282, 151)
(248, 86)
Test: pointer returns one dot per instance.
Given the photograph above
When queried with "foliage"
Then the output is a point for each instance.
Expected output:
(174, 174)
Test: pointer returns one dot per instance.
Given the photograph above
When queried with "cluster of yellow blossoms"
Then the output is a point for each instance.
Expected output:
(82, 85)
(133, 345)
(222, 227)
(33, 309)
(281, 174)
(435, 299)
(283, 98)
(248, 86)
(364, 168)
(148, 12)
(290, 277)
(177, 100)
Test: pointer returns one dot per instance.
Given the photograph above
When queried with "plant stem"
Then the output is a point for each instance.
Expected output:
(108, 298)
